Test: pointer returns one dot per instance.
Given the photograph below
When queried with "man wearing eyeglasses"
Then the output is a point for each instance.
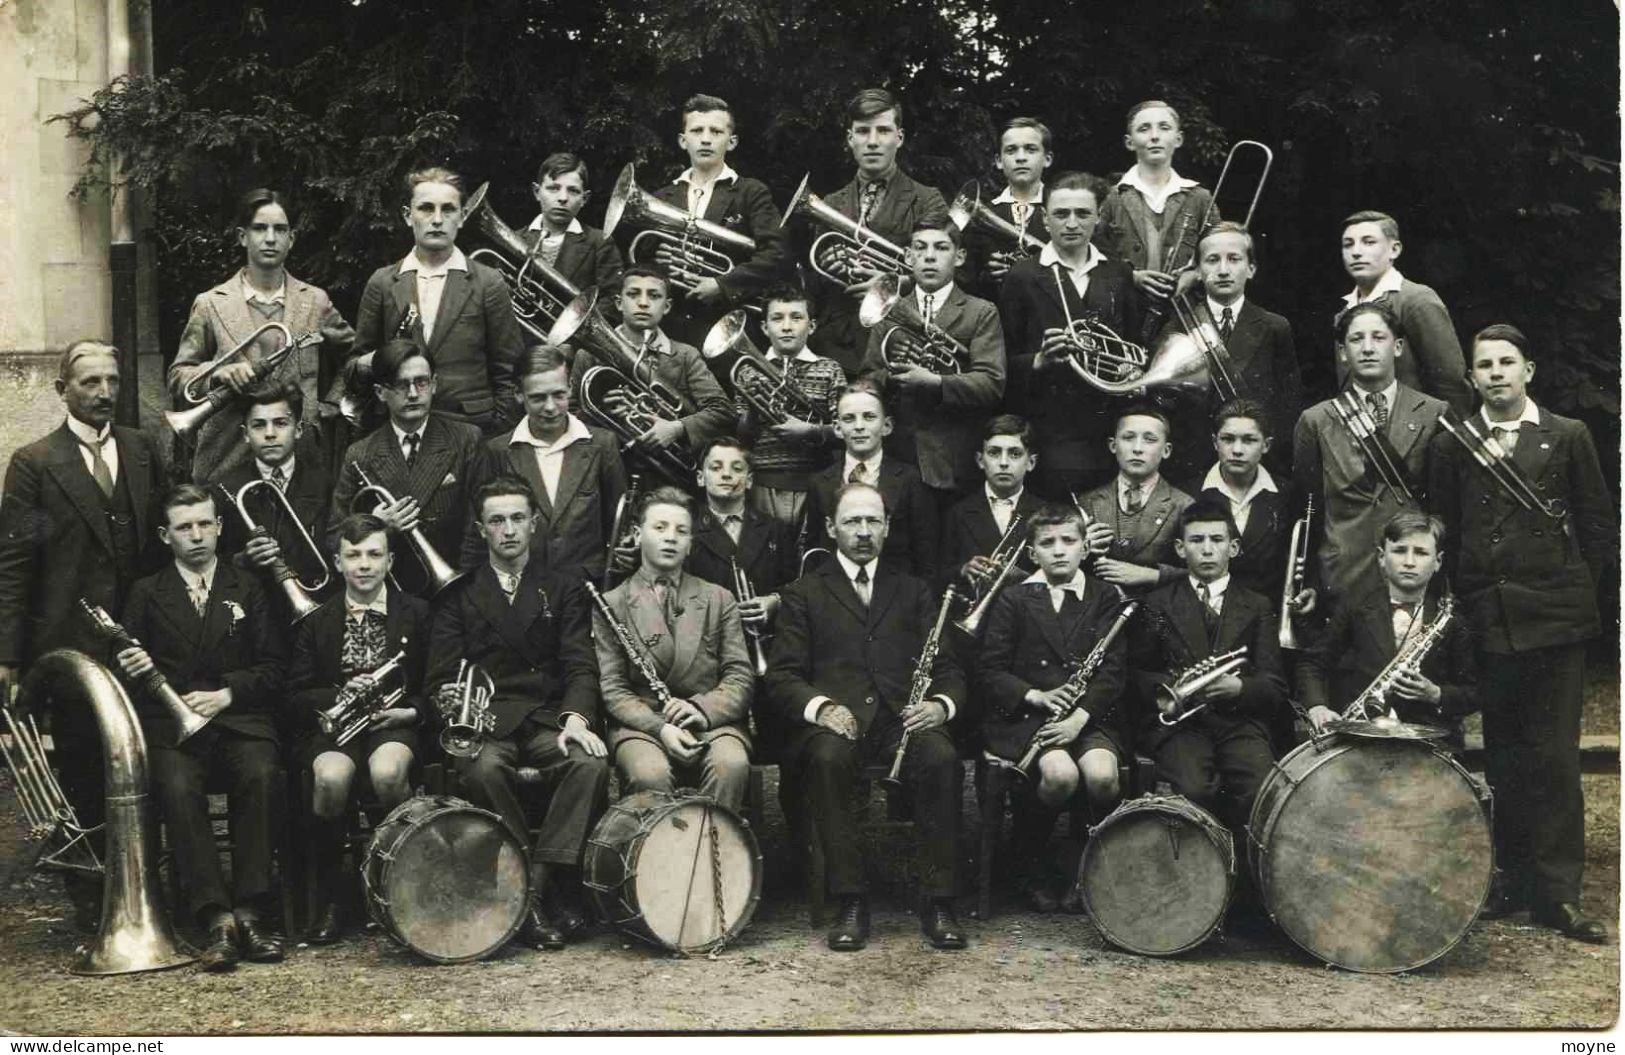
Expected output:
(425, 461)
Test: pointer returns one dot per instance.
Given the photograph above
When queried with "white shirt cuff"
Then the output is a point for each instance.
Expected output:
(947, 702)
(810, 712)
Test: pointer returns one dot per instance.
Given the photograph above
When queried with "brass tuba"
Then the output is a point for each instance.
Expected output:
(297, 590)
(767, 386)
(909, 340)
(692, 240)
(539, 291)
(967, 211)
(135, 933)
(440, 574)
(209, 399)
(847, 244)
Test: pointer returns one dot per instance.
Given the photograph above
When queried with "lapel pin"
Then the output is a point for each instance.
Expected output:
(1411, 425)
(1545, 446)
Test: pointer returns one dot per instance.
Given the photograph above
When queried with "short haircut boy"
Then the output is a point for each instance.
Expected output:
(1207, 511)
(359, 527)
(665, 495)
(561, 164)
(1388, 225)
(387, 361)
(1505, 331)
(1009, 425)
(1244, 407)
(187, 495)
(1053, 516)
(1077, 181)
(1412, 522)
(644, 271)
(502, 487)
(1143, 410)
(702, 103)
(946, 227)
(434, 174)
(1380, 308)
(732, 443)
(1228, 227)
(1148, 104)
(287, 392)
(871, 103)
(785, 293)
(1030, 122)
(542, 359)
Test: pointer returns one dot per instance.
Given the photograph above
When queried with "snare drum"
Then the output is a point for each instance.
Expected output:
(677, 871)
(1373, 854)
(1156, 875)
(446, 879)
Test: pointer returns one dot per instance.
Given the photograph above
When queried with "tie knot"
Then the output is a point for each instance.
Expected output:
(662, 580)
(1376, 399)
(862, 577)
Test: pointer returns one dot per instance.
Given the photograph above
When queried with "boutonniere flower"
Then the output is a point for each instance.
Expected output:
(732, 218)
(547, 608)
(237, 615)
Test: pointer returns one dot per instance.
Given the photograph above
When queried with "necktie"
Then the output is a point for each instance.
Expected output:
(1227, 322)
(1019, 211)
(200, 596)
(1210, 618)
(857, 474)
(733, 524)
(279, 478)
(930, 309)
(509, 584)
(871, 196)
(1133, 500)
(1378, 402)
(1506, 436)
(550, 249)
(1002, 508)
(98, 468)
(860, 582)
(410, 444)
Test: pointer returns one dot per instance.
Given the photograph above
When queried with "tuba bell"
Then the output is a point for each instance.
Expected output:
(695, 242)
(847, 244)
(1179, 363)
(909, 339)
(767, 386)
(539, 291)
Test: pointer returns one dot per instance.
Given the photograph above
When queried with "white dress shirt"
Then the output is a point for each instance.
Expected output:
(1241, 506)
(354, 610)
(931, 303)
(1217, 310)
(1215, 591)
(1156, 198)
(699, 194)
(1058, 591)
(265, 471)
(1530, 415)
(550, 456)
(1007, 196)
(1079, 276)
(1002, 508)
(431, 281)
(109, 447)
(1388, 283)
(550, 242)
(871, 470)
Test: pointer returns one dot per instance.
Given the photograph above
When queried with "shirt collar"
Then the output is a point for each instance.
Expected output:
(647, 577)
(85, 434)
(721, 516)
(727, 175)
(1074, 585)
(660, 344)
(456, 262)
(1014, 499)
(1217, 310)
(805, 355)
(1215, 589)
(516, 575)
(1261, 483)
(1007, 196)
(1048, 257)
(379, 604)
(400, 434)
(850, 567)
(574, 226)
(1156, 197)
(574, 432)
(276, 296)
(873, 462)
(938, 297)
(206, 576)
(1530, 416)
(265, 471)
(1388, 283)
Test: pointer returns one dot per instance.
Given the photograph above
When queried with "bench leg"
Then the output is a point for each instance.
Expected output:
(994, 784)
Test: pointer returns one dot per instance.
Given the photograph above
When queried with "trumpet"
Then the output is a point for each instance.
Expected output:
(920, 683)
(1005, 554)
(620, 532)
(768, 387)
(538, 290)
(848, 245)
(298, 591)
(158, 687)
(743, 590)
(1378, 453)
(1297, 556)
(1173, 698)
(1077, 684)
(1487, 451)
(911, 341)
(967, 211)
(470, 720)
(353, 711)
(439, 573)
(694, 241)
(209, 400)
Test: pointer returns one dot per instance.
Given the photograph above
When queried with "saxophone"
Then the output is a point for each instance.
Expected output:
(1374, 700)
(1077, 683)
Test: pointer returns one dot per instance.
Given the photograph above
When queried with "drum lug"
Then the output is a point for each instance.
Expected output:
(1284, 775)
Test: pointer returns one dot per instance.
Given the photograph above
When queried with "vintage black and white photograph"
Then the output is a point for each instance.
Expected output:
(772, 516)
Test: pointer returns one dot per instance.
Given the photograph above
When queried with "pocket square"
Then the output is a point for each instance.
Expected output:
(450, 479)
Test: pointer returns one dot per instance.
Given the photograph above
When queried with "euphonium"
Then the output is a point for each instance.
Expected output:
(1297, 554)
(209, 400)
(583, 323)
(352, 712)
(1407, 659)
(470, 720)
(909, 339)
(847, 243)
(135, 933)
(611, 400)
(187, 721)
(768, 387)
(539, 291)
(1005, 554)
(297, 590)
(1077, 683)
(967, 211)
(693, 240)
(920, 683)
(1172, 697)
(439, 573)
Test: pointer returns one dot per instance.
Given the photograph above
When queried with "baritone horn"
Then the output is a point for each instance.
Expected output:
(768, 387)
(909, 340)
(847, 244)
(1297, 558)
(967, 211)
(439, 573)
(209, 398)
(696, 243)
(1004, 555)
(298, 591)
(539, 291)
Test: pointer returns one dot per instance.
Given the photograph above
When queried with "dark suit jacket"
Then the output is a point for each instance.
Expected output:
(980, 244)
(1151, 540)
(587, 259)
(969, 530)
(1358, 643)
(1350, 505)
(1028, 645)
(309, 492)
(56, 545)
(1167, 635)
(236, 645)
(827, 644)
(572, 530)
(1526, 581)
(1261, 564)
(441, 479)
(940, 430)
(538, 650)
(912, 535)
(766, 552)
(905, 204)
(475, 346)
(744, 206)
(317, 670)
(1432, 362)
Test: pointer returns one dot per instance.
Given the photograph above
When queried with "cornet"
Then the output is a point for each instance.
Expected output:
(439, 573)
(210, 400)
(692, 240)
(910, 340)
(753, 635)
(967, 211)
(468, 724)
(767, 386)
(1297, 556)
(848, 245)
(297, 590)
(352, 712)
(539, 291)
(1173, 697)
(1005, 554)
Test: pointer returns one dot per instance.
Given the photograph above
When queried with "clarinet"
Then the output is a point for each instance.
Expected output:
(634, 654)
(920, 683)
(1078, 683)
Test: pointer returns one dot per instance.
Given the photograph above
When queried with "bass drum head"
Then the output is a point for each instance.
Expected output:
(452, 885)
(1156, 876)
(674, 876)
(1377, 854)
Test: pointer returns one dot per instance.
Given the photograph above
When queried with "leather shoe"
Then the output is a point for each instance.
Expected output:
(565, 917)
(939, 924)
(221, 953)
(1567, 919)
(329, 925)
(260, 943)
(539, 932)
(850, 931)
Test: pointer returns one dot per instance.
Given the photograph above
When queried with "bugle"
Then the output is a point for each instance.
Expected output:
(909, 340)
(967, 211)
(539, 291)
(353, 711)
(754, 643)
(1487, 451)
(468, 718)
(439, 573)
(847, 245)
(768, 387)
(920, 684)
(1297, 556)
(1173, 698)
(1004, 556)
(696, 243)
(1372, 444)
(1076, 685)
(297, 590)
(209, 398)
(187, 721)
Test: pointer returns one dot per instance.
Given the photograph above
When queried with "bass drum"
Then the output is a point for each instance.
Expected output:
(446, 879)
(1156, 875)
(1372, 854)
(677, 871)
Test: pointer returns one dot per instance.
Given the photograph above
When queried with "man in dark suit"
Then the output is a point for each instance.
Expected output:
(709, 189)
(1527, 581)
(457, 312)
(848, 639)
(912, 517)
(1026, 150)
(206, 627)
(425, 461)
(1070, 280)
(527, 627)
(582, 254)
(78, 520)
(1218, 758)
(273, 431)
(573, 469)
(883, 199)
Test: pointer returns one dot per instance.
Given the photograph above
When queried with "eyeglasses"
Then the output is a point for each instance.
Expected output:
(412, 384)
